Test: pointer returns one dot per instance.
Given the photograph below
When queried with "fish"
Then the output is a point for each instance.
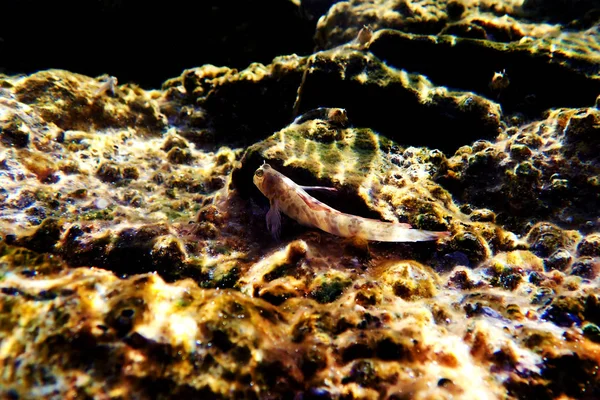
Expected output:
(365, 35)
(109, 83)
(293, 200)
(338, 117)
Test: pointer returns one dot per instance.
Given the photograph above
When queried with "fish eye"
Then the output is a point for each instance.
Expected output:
(259, 172)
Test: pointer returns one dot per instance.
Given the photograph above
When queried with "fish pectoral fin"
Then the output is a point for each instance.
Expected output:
(330, 189)
(274, 220)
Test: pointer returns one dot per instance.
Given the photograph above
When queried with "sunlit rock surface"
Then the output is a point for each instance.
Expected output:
(135, 261)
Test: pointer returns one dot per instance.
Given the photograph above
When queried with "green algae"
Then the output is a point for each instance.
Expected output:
(330, 290)
(592, 332)
(323, 159)
(506, 278)
(280, 271)
(105, 214)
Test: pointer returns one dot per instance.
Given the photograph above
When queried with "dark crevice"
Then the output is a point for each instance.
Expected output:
(342, 200)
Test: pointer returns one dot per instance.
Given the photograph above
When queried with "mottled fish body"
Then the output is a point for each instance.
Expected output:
(293, 200)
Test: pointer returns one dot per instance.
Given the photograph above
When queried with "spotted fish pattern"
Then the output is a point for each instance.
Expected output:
(293, 200)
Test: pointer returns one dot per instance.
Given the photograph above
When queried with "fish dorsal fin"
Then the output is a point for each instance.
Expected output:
(329, 189)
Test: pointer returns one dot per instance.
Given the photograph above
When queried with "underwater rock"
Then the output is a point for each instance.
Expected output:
(556, 183)
(585, 267)
(80, 108)
(292, 86)
(582, 134)
(14, 134)
(477, 42)
(142, 315)
(178, 155)
(559, 260)
(214, 106)
(134, 254)
(45, 237)
(370, 91)
(409, 280)
(130, 251)
(473, 247)
(547, 239)
(111, 172)
(361, 165)
(343, 21)
(327, 288)
(494, 21)
(471, 65)
(190, 336)
(589, 246)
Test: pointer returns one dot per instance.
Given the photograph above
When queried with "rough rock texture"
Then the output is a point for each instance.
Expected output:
(396, 103)
(214, 106)
(547, 168)
(505, 21)
(462, 44)
(135, 259)
(539, 73)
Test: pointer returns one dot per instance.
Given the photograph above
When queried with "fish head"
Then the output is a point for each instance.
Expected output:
(263, 179)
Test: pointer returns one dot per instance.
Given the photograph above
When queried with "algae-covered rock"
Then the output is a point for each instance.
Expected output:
(500, 21)
(327, 289)
(546, 239)
(468, 45)
(410, 281)
(398, 103)
(77, 102)
(361, 165)
(116, 168)
(213, 106)
(135, 258)
(589, 246)
(556, 182)
(471, 65)
(139, 316)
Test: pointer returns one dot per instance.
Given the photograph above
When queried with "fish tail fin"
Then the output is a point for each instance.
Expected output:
(386, 232)
(418, 235)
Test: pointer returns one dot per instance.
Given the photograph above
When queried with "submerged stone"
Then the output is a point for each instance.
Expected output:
(134, 244)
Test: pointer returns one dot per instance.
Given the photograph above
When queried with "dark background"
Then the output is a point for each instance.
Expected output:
(148, 42)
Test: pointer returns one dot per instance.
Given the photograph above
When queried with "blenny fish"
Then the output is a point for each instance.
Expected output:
(293, 200)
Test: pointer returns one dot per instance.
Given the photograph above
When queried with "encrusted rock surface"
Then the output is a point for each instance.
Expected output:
(544, 170)
(462, 44)
(135, 260)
